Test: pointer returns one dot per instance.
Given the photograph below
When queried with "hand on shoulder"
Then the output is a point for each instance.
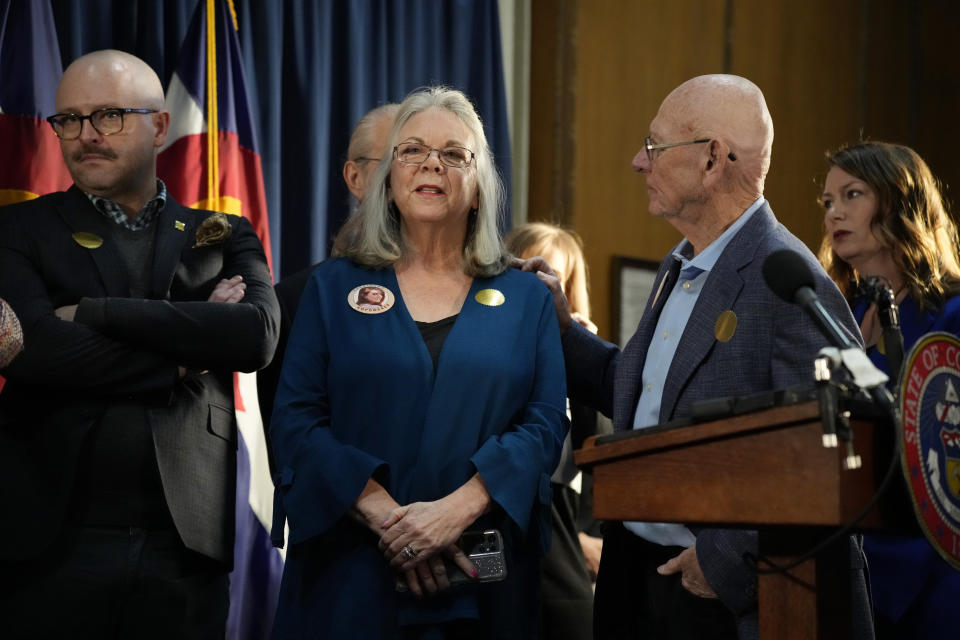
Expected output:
(548, 276)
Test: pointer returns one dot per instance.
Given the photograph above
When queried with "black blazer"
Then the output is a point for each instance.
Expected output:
(130, 349)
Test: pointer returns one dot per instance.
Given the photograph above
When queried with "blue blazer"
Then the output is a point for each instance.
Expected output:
(774, 346)
(358, 397)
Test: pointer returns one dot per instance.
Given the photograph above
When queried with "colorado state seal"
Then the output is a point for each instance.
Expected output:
(930, 439)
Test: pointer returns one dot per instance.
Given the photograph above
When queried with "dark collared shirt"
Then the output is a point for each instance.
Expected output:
(144, 218)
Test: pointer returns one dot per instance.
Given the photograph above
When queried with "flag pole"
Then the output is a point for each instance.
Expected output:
(213, 127)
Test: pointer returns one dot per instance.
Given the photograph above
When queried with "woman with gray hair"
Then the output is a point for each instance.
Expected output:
(399, 430)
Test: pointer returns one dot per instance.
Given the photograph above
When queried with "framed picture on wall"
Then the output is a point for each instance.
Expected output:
(632, 284)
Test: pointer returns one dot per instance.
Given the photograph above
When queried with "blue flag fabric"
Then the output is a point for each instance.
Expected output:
(29, 58)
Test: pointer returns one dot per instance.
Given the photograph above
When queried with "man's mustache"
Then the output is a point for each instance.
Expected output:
(94, 151)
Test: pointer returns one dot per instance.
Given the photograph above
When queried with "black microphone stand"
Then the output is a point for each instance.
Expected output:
(875, 291)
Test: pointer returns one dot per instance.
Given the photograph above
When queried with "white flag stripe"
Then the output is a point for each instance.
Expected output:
(251, 427)
(189, 118)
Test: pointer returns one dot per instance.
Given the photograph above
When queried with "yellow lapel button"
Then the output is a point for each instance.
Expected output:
(490, 297)
(87, 240)
(726, 326)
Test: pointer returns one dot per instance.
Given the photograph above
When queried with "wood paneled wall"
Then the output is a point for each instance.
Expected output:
(832, 71)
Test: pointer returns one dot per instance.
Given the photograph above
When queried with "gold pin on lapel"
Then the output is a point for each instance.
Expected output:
(490, 297)
(179, 225)
(726, 326)
(87, 240)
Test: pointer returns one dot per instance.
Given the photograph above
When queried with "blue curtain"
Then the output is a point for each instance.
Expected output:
(313, 68)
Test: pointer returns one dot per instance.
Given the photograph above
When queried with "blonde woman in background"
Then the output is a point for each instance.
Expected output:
(563, 248)
(574, 558)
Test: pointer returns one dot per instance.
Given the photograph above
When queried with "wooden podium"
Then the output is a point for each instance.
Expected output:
(767, 471)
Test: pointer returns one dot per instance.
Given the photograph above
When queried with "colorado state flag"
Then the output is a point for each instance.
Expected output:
(30, 160)
(211, 161)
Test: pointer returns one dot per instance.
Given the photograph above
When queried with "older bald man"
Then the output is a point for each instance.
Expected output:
(118, 438)
(705, 163)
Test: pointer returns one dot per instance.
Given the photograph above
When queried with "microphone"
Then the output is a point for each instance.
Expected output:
(790, 277)
(883, 296)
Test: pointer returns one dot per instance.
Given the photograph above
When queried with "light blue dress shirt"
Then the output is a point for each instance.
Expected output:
(673, 319)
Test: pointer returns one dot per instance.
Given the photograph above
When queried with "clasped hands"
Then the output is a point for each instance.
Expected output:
(417, 537)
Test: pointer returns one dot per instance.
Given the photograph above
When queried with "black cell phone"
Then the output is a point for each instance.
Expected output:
(485, 550)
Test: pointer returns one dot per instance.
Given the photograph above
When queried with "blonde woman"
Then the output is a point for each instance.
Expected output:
(574, 557)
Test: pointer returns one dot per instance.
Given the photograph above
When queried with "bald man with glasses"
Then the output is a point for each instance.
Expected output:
(117, 430)
(711, 329)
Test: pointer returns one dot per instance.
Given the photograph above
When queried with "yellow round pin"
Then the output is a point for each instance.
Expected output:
(726, 326)
(490, 297)
(87, 240)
